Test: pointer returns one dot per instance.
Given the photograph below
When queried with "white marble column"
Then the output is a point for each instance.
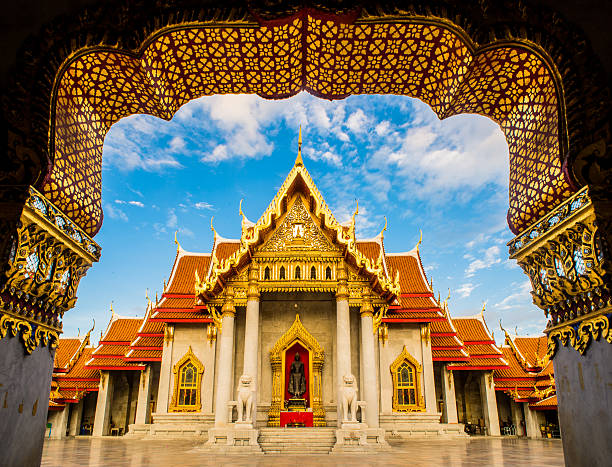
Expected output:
(226, 351)
(429, 384)
(251, 337)
(103, 406)
(517, 418)
(75, 418)
(59, 423)
(343, 336)
(165, 372)
(532, 424)
(370, 383)
(448, 394)
(143, 411)
(489, 403)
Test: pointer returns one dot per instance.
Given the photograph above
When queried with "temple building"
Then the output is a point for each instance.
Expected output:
(298, 323)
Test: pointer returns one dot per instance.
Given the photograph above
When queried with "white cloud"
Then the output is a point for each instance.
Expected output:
(203, 205)
(466, 290)
(490, 256)
(517, 299)
(115, 212)
(177, 144)
(358, 122)
(131, 203)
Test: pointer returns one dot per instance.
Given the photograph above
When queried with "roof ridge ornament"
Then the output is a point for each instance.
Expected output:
(178, 245)
(419, 242)
(298, 160)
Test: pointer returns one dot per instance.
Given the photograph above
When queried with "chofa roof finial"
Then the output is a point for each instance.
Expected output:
(420, 240)
(298, 159)
(178, 245)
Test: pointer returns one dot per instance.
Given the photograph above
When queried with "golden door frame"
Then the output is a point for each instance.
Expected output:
(297, 333)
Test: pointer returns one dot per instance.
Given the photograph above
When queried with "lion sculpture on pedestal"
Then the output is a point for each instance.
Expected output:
(349, 398)
(245, 398)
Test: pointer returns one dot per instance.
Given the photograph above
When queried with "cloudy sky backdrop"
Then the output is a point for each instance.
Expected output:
(448, 178)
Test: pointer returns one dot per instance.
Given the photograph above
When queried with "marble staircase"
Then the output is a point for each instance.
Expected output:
(297, 440)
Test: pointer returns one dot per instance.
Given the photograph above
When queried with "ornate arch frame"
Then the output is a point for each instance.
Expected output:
(188, 357)
(297, 333)
(420, 402)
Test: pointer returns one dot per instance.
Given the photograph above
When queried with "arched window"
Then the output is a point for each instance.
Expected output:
(188, 373)
(328, 273)
(297, 273)
(267, 274)
(313, 273)
(281, 273)
(406, 375)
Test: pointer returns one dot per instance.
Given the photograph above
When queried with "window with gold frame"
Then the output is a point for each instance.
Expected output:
(406, 376)
(187, 395)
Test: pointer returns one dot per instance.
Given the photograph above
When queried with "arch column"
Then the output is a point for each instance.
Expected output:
(226, 345)
(343, 335)
(251, 336)
(370, 382)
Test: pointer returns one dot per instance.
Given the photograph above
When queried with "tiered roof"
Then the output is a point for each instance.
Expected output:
(71, 379)
(445, 343)
(149, 342)
(530, 375)
(115, 344)
(178, 302)
(479, 345)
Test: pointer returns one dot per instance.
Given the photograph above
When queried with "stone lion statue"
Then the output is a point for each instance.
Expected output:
(245, 398)
(349, 398)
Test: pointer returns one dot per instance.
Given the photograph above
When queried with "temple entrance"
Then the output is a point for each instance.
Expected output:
(297, 360)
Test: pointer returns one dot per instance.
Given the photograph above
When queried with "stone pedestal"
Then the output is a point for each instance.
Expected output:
(359, 439)
(232, 439)
(76, 418)
(103, 406)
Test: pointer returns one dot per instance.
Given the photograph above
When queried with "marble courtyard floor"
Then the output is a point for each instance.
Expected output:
(118, 452)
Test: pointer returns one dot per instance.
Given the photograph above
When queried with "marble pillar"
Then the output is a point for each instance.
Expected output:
(251, 337)
(448, 394)
(226, 353)
(532, 423)
(429, 385)
(59, 423)
(143, 408)
(370, 381)
(343, 336)
(103, 406)
(489, 403)
(75, 418)
(517, 418)
(165, 373)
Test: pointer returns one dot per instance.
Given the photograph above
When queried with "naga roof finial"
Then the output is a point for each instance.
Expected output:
(298, 159)
(384, 228)
(420, 240)
(112, 310)
(483, 310)
(212, 227)
(178, 245)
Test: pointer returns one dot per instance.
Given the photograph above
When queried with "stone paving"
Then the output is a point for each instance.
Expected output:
(119, 452)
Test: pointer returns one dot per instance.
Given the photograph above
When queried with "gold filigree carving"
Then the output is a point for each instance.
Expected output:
(31, 335)
(580, 338)
(297, 333)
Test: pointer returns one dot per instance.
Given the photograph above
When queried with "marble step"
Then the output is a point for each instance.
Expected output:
(297, 440)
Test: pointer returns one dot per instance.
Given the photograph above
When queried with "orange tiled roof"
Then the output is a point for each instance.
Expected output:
(442, 327)
(106, 350)
(416, 303)
(157, 341)
(472, 330)
(144, 355)
(412, 276)
(424, 315)
(182, 278)
(151, 327)
(532, 348)
(369, 249)
(176, 303)
(171, 316)
(445, 341)
(225, 249)
(449, 355)
(78, 370)
(66, 348)
(545, 404)
(481, 363)
(112, 363)
(515, 369)
(122, 330)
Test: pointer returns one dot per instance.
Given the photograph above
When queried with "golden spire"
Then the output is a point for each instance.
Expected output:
(178, 245)
(420, 240)
(298, 159)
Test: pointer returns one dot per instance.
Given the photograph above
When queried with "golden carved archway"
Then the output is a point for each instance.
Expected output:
(297, 333)
(418, 404)
(193, 385)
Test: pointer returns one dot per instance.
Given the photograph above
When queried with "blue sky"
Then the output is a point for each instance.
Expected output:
(448, 178)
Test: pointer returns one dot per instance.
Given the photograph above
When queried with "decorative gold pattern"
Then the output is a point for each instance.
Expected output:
(564, 256)
(419, 405)
(431, 60)
(297, 333)
(580, 337)
(31, 335)
(188, 358)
